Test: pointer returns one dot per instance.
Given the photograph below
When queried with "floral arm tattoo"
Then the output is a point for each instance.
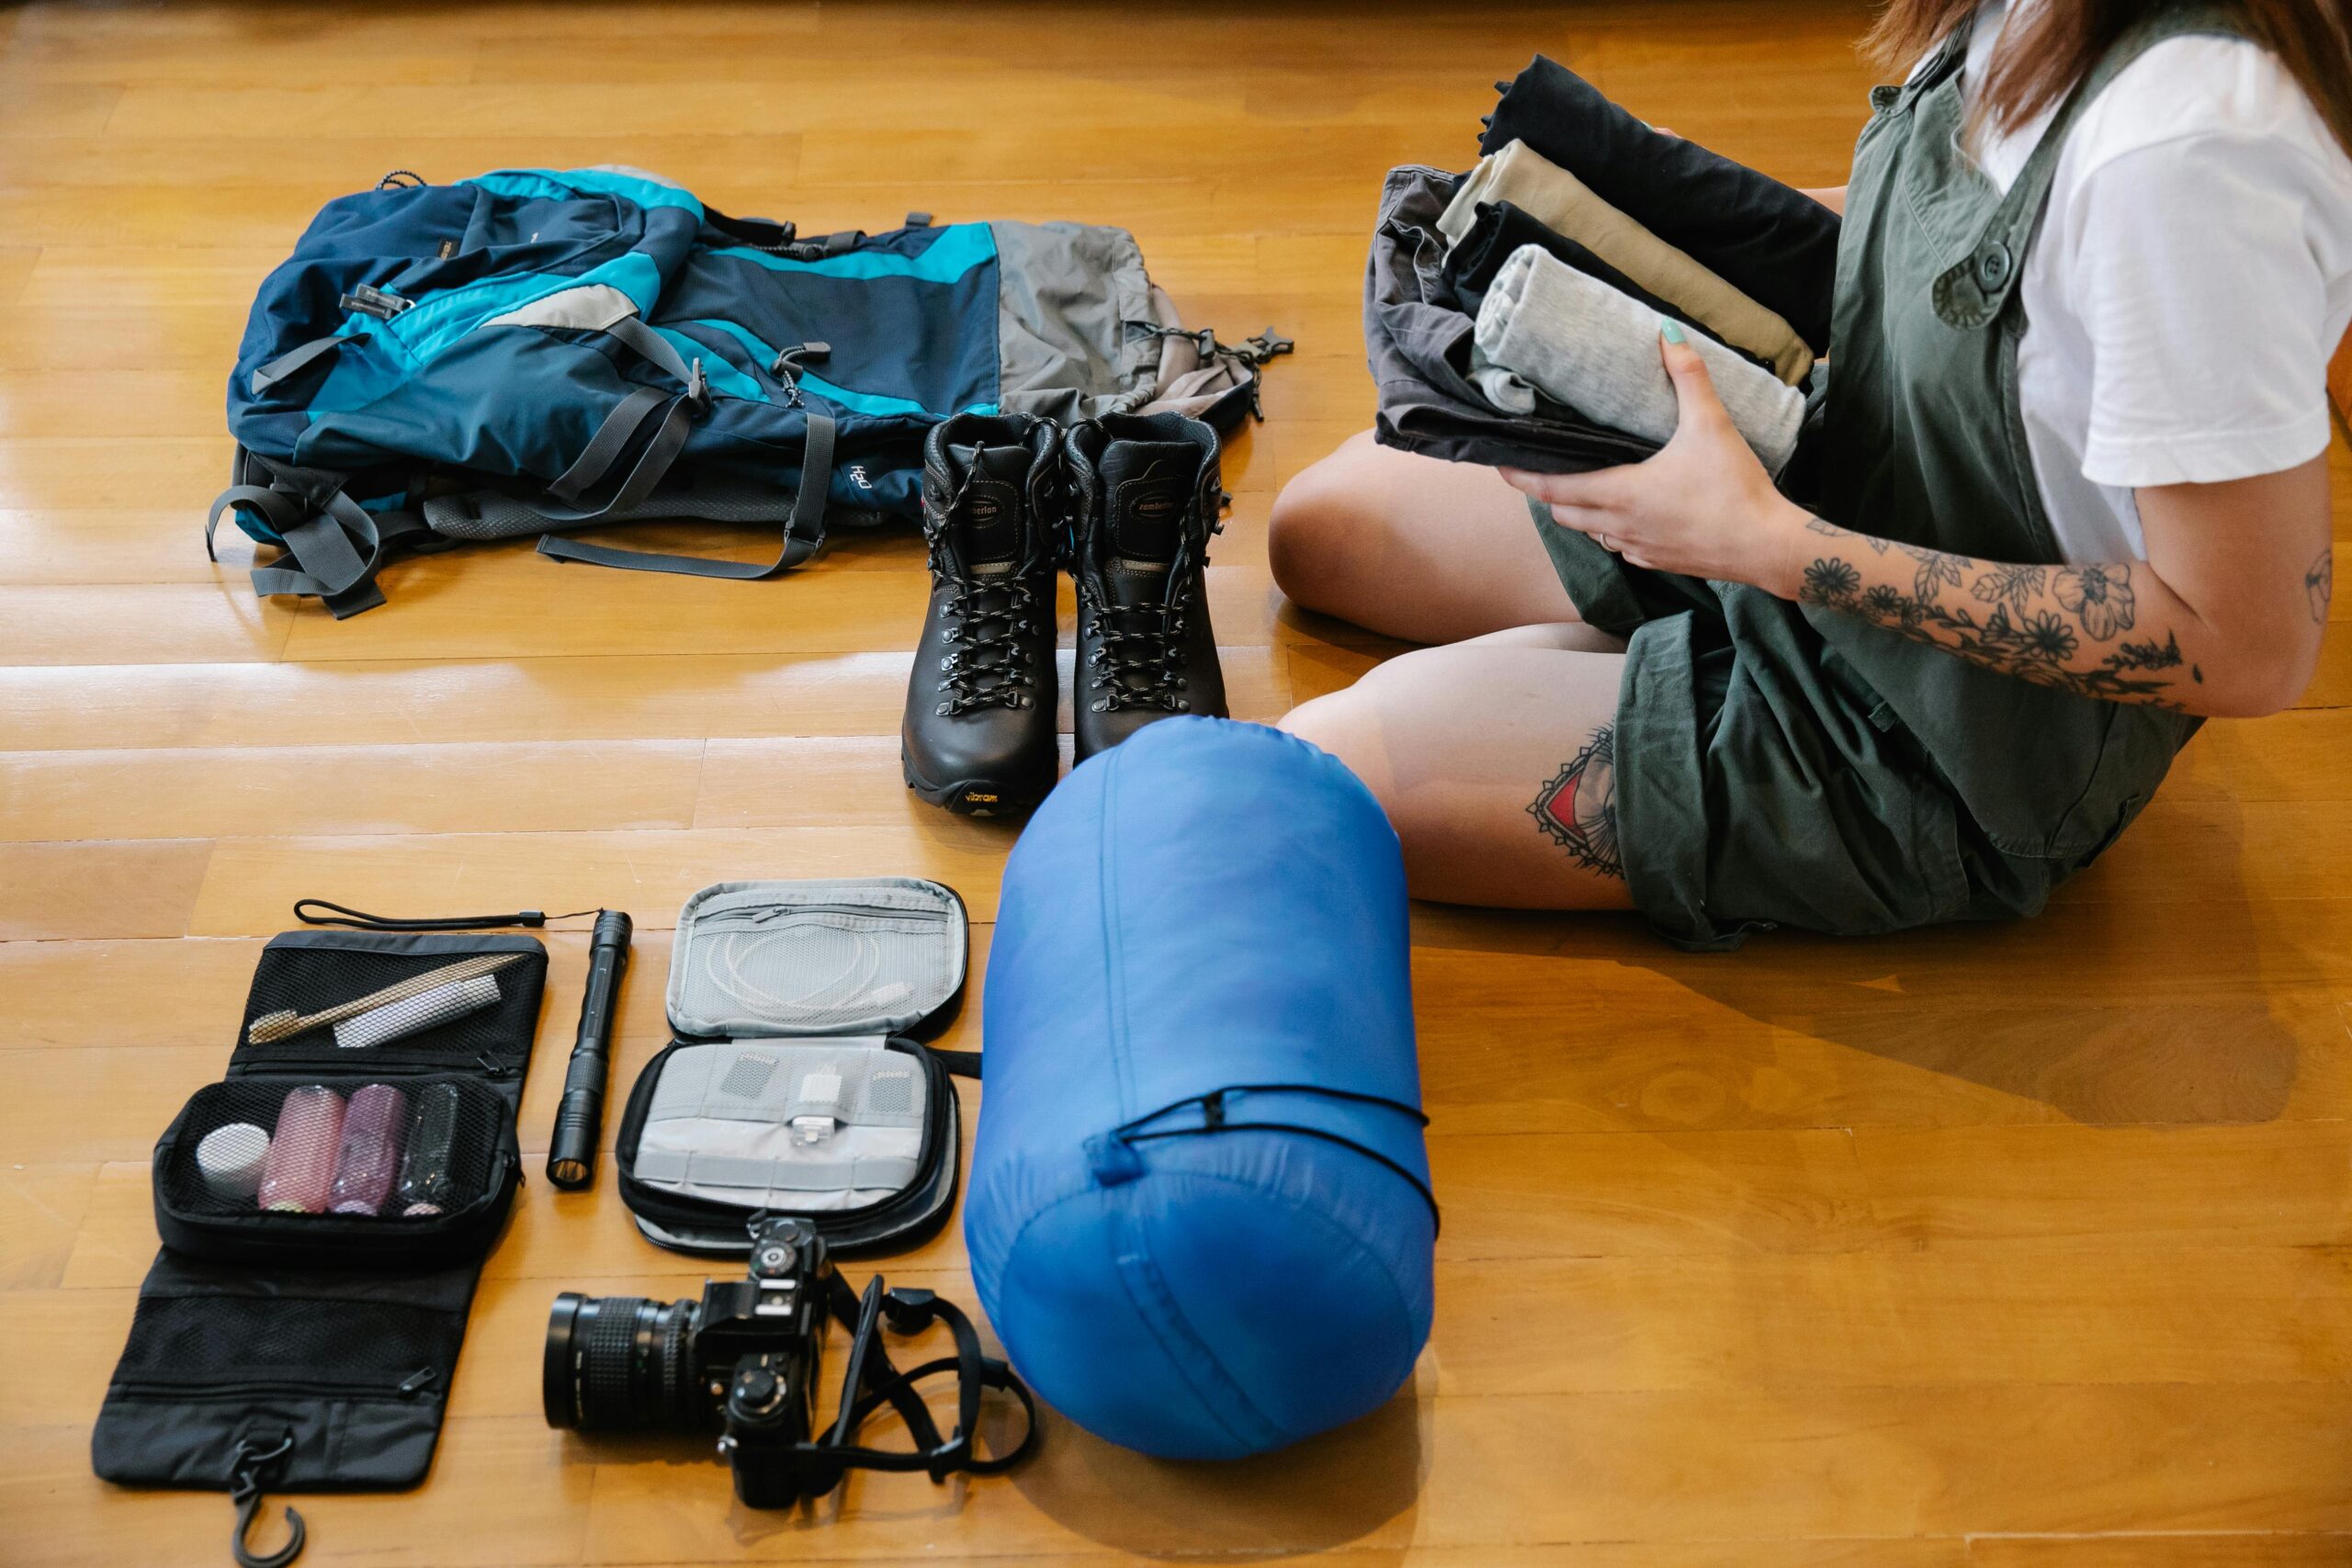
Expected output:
(1577, 810)
(2066, 627)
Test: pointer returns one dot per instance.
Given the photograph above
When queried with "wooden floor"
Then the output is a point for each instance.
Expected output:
(2019, 1247)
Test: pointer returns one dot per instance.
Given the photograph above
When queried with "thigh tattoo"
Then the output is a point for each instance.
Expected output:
(1577, 810)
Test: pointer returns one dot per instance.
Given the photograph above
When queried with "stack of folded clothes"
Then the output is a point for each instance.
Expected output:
(1511, 313)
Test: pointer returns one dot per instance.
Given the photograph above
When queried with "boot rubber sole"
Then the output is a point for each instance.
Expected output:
(975, 797)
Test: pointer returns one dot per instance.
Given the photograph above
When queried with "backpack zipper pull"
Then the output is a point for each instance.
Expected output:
(792, 362)
(417, 1383)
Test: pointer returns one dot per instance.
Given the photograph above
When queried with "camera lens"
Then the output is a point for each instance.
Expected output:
(619, 1363)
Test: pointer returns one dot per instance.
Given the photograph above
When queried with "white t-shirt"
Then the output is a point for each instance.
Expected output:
(2192, 278)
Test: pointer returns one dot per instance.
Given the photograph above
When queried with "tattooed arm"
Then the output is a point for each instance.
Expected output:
(2222, 618)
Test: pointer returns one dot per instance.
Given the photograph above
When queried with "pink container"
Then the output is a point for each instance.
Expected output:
(374, 1127)
(301, 1173)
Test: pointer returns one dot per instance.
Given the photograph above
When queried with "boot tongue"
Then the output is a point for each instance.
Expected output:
(988, 524)
(1148, 484)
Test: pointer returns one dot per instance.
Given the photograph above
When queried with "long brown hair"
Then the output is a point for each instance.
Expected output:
(2062, 39)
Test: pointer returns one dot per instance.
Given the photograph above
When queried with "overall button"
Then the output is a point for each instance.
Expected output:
(1993, 264)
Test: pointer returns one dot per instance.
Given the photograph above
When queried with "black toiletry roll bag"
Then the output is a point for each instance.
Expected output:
(318, 1346)
(796, 1081)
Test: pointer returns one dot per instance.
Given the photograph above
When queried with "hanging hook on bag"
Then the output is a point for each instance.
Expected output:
(244, 1490)
(247, 1505)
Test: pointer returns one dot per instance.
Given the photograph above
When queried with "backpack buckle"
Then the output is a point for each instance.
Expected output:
(698, 386)
(369, 299)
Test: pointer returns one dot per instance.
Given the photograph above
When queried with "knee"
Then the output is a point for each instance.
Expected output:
(1319, 720)
(1340, 723)
(1313, 518)
(1351, 723)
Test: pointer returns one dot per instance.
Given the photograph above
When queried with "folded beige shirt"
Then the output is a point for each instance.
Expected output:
(1552, 195)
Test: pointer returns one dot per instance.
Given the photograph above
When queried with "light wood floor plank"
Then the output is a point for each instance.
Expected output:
(139, 889)
(421, 788)
(2201, 1550)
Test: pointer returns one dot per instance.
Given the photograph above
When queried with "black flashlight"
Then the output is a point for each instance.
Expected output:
(580, 1114)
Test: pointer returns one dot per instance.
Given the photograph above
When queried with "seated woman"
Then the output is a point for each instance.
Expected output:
(2073, 500)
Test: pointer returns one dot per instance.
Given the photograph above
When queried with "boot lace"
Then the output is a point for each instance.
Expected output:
(1139, 658)
(1151, 653)
(988, 664)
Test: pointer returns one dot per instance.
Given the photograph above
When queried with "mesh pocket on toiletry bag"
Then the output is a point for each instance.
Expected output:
(304, 974)
(336, 1170)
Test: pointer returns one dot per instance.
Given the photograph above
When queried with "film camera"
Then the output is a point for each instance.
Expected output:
(743, 1362)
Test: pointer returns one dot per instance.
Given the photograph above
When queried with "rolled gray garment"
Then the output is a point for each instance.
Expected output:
(1582, 342)
(426, 1009)
(1505, 390)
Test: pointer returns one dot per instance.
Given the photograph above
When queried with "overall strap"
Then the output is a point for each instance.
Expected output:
(1971, 292)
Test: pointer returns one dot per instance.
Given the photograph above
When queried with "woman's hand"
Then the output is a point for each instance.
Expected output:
(1703, 507)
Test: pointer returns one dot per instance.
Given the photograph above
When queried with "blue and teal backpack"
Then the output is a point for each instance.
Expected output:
(532, 351)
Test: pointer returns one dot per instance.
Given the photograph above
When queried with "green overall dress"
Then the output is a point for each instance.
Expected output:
(1779, 763)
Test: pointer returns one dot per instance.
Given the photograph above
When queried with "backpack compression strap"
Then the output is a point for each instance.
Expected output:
(802, 534)
(335, 545)
(673, 419)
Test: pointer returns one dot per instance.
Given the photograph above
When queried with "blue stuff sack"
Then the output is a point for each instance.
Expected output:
(1200, 1216)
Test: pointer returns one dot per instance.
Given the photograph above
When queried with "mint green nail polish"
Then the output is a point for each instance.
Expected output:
(1670, 330)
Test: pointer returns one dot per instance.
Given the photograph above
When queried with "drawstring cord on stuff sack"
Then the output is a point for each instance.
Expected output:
(244, 1490)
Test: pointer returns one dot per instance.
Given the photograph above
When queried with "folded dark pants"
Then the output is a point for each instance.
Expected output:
(1776, 243)
(1418, 342)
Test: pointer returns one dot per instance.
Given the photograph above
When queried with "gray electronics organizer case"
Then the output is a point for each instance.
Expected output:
(796, 1082)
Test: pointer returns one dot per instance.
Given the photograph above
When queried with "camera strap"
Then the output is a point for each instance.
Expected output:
(871, 1381)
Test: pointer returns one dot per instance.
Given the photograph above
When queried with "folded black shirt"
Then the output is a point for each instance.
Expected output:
(1770, 240)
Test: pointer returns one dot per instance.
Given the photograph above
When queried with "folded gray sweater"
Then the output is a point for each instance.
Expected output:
(1581, 343)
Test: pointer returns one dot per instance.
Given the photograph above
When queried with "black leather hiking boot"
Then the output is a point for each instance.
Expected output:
(979, 735)
(1145, 500)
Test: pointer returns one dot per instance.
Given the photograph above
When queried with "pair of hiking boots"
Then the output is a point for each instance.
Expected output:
(1127, 503)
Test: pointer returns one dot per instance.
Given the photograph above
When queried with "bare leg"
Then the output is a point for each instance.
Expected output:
(1492, 759)
(1412, 547)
